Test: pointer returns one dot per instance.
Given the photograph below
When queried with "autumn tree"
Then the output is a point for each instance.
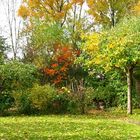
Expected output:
(51, 52)
(136, 8)
(48, 9)
(62, 60)
(54, 22)
(69, 13)
(109, 12)
(117, 48)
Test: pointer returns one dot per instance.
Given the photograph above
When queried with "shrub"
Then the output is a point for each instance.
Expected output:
(59, 103)
(106, 95)
(80, 102)
(89, 96)
(122, 98)
(74, 104)
(6, 101)
(41, 99)
(48, 99)
(22, 102)
(41, 96)
(15, 75)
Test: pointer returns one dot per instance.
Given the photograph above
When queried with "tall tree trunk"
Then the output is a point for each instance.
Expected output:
(129, 92)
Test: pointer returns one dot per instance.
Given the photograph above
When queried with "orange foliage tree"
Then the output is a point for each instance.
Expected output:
(47, 45)
(62, 59)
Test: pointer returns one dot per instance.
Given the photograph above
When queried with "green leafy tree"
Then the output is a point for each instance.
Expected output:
(117, 48)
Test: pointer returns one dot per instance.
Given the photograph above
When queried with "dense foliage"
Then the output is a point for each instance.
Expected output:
(117, 48)
(75, 56)
(15, 76)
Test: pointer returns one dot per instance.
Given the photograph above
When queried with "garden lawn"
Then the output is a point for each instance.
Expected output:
(67, 127)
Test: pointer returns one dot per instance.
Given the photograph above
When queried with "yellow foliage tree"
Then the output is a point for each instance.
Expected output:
(108, 12)
(54, 9)
(117, 48)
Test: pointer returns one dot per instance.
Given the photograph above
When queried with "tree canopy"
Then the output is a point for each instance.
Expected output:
(109, 12)
(116, 48)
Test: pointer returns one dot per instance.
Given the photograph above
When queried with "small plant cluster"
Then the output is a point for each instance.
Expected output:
(46, 99)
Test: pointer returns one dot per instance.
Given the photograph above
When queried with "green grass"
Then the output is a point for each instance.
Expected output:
(99, 126)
